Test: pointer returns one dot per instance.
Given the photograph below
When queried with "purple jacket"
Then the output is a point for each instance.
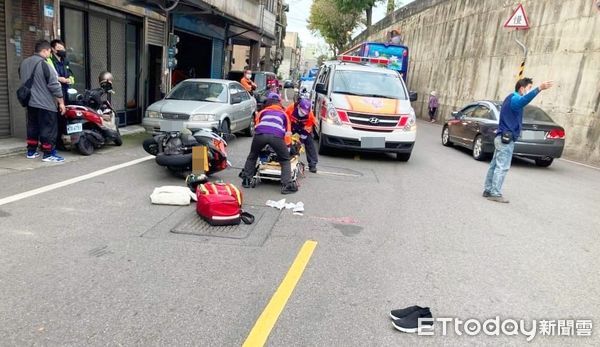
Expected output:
(272, 120)
(433, 102)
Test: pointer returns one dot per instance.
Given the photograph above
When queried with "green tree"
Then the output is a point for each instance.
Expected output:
(335, 27)
(391, 6)
(359, 5)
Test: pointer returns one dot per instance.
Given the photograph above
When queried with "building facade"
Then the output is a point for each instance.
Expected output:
(130, 38)
(290, 65)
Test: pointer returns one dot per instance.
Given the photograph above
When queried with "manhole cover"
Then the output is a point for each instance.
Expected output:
(194, 225)
(185, 225)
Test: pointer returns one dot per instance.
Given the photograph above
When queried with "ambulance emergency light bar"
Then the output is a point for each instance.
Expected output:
(357, 59)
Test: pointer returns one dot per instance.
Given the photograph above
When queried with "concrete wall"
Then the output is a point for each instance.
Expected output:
(460, 49)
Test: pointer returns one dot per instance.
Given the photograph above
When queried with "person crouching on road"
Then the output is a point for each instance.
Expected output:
(303, 120)
(272, 128)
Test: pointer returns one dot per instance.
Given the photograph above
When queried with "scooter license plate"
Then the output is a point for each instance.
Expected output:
(74, 128)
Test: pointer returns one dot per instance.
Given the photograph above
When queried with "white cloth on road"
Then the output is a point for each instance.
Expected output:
(172, 195)
(276, 204)
(297, 208)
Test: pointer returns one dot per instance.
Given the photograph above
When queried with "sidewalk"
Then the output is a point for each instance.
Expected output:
(13, 145)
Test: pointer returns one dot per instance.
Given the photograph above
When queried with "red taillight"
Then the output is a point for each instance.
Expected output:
(403, 120)
(556, 134)
(343, 116)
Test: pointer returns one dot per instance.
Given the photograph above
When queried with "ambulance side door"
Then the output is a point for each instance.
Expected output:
(321, 99)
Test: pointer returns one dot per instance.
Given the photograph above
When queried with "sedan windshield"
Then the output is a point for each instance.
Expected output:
(199, 91)
(535, 114)
(371, 84)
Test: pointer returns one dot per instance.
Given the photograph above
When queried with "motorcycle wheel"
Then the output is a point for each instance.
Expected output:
(118, 140)
(150, 146)
(84, 146)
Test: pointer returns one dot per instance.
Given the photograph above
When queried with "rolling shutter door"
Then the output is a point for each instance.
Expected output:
(4, 110)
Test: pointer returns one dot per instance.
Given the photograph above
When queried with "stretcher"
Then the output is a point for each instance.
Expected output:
(271, 171)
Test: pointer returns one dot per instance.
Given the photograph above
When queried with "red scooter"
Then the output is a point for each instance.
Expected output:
(91, 123)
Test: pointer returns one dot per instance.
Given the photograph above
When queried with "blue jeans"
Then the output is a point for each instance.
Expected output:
(499, 166)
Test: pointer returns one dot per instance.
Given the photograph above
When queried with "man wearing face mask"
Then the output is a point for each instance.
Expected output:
(303, 121)
(247, 82)
(58, 59)
(509, 130)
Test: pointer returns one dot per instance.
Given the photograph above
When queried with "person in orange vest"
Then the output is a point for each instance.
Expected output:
(273, 128)
(247, 82)
(303, 121)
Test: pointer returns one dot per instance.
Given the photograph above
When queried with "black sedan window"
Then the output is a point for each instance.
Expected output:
(535, 114)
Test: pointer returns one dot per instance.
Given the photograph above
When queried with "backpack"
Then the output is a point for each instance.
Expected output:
(24, 91)
(221, 204)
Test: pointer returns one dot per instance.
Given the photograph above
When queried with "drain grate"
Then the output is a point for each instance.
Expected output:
(194, 225)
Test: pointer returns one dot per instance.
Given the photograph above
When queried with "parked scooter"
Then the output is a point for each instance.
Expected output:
(173, 150)
(91, 119)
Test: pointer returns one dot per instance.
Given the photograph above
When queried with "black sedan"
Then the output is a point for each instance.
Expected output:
(475, 125)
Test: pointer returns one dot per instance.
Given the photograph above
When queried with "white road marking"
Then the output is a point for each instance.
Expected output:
(68, 182)
(580, 164)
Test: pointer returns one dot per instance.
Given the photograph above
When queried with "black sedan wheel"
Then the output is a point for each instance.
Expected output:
(478, 153)
(544, 162)
(446, 137)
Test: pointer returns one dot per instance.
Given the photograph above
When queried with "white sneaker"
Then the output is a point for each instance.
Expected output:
(53, 159)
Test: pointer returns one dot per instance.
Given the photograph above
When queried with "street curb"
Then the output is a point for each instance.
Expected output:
(14, 146)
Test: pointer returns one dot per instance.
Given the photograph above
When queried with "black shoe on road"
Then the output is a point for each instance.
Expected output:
(313, 169)
(498, 198)
(291, 188)
(247, 183)
(403, 312)
(486, 194)
(410, 323)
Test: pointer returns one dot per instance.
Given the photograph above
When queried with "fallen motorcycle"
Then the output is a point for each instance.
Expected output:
(173, 150)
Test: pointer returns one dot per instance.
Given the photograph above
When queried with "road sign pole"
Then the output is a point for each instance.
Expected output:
(518, 20)
(522, 68)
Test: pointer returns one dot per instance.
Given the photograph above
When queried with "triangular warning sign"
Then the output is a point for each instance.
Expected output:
(518, 19)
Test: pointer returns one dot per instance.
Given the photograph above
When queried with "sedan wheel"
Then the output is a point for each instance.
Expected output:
(478, 153)
(446, 137)
(250, 130)
(544, 162)
(225, 130)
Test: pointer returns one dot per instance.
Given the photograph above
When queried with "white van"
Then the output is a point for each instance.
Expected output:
(363, 107)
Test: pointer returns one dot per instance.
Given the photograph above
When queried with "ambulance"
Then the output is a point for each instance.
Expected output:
(363, 106)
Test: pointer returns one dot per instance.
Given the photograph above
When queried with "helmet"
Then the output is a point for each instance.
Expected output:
(304, 105)
(274, 96)
(105, 79)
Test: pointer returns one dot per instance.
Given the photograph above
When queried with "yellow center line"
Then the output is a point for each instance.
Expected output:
(262, 328)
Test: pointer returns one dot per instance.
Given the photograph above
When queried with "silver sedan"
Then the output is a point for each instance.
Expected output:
(204, 103)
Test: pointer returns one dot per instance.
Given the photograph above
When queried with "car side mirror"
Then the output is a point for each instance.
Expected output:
(456, 115)
(236, 99)
(320, 88)
(413, 96)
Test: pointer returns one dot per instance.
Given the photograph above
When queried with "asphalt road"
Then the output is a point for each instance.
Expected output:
(95, 263)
